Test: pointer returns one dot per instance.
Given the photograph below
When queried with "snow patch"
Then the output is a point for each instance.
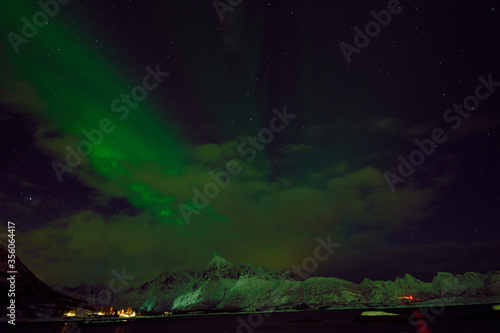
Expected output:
(378, 313)
(187, 299)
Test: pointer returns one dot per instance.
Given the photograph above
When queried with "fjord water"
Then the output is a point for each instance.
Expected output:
(308, 321)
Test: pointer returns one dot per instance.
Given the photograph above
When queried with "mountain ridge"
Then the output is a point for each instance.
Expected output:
(221, 286)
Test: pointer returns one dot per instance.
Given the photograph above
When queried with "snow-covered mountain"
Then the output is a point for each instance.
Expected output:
(223, 287)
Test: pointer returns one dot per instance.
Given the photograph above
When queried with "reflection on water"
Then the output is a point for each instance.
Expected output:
(70, 328)
(423, 327)
(420, 322)
(73, 327)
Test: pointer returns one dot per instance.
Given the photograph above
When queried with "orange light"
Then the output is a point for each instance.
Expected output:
(406, 297)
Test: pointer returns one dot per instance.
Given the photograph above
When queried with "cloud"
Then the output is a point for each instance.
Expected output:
(214, 154)
(298, 148)
(395, 127)
(22, 96)
(383, 123)
(19, 95)
(251, 220)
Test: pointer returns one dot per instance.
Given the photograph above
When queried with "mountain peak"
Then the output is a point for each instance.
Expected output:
(219, 267)
(218, 262)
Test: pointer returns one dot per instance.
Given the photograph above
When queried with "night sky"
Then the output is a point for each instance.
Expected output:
(213, 86)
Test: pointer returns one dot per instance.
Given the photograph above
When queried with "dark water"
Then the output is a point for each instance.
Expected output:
(308, 321)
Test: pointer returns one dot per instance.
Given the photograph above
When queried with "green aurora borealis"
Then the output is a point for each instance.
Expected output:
(77, 89)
